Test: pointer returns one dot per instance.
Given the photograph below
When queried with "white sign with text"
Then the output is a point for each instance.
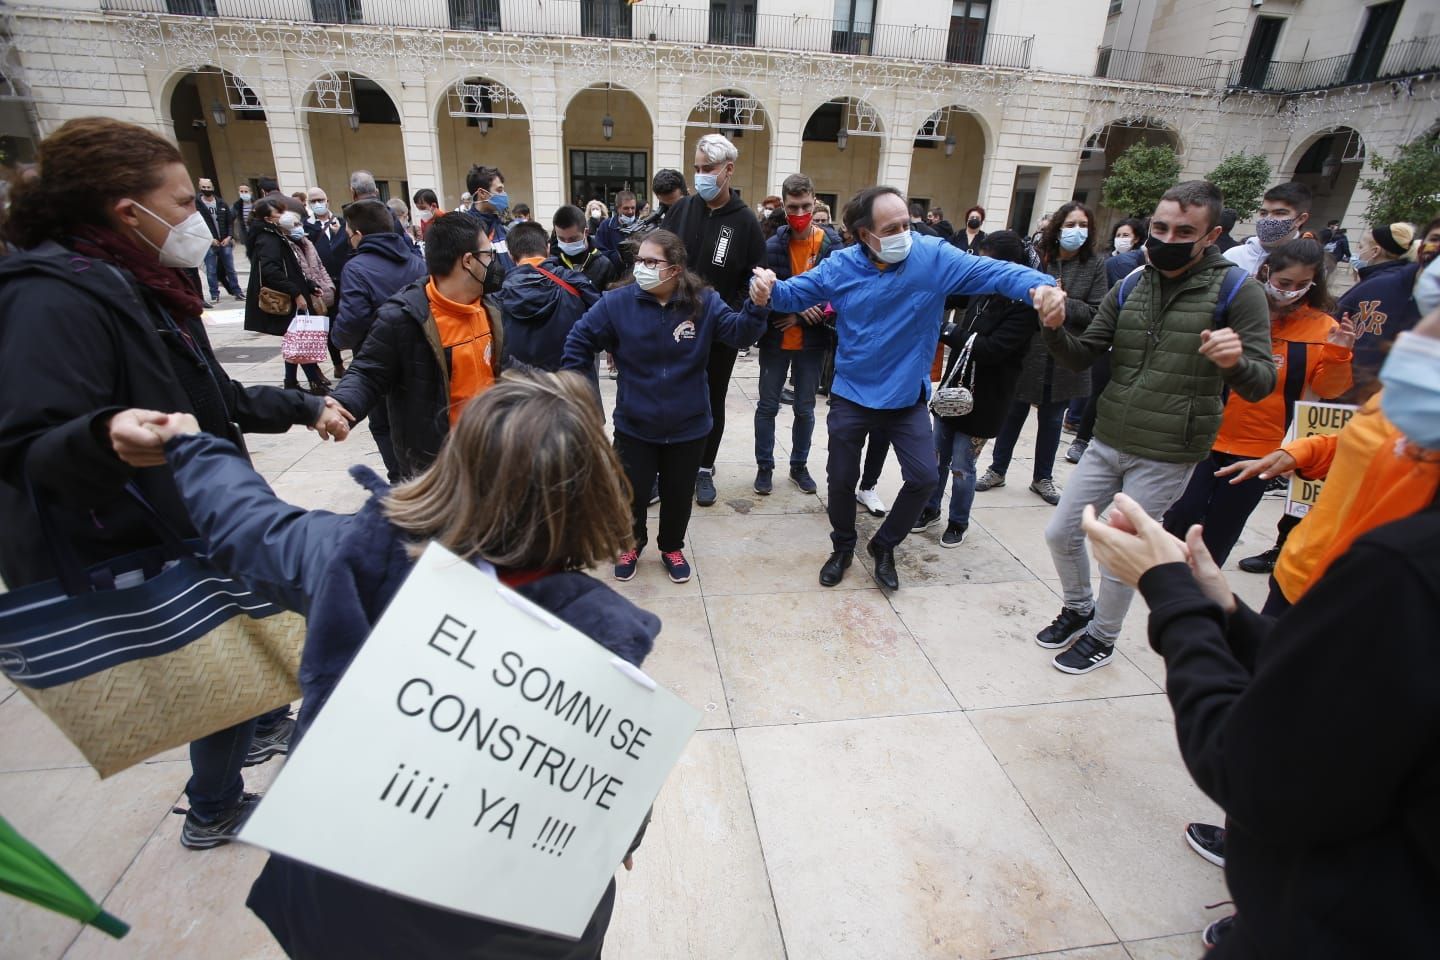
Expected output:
(478, 755)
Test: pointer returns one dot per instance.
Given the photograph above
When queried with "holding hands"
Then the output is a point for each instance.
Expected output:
(1050, 303)
(138, 436)
(761, 285)
(334, 423)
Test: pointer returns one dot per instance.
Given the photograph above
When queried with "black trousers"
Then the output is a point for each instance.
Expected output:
(1221, 506)
(675, 463)
(876, 450)
(722, 364)
(908, 431)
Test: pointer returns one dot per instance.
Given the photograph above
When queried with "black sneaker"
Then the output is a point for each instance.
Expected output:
(764, 482)
(954, 534)
(927, 516)
(787, 396)
(1207, 840)
(1087, 654)
(802, 478)
(271, 743)
(705, 488)
(1261, 562)
(199, 834)
(1064, 628)
(1217, 930)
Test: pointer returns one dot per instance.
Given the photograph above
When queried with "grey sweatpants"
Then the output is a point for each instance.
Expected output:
(1104, 472)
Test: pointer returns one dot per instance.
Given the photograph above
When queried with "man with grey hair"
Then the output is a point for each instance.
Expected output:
(362, 186)
(723, 244)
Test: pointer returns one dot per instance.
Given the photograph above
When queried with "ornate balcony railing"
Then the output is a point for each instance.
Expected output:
(1407, 58)
(1140, 66)
(614, 19)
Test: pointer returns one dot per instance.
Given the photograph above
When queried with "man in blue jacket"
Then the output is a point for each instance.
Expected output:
(889, 290)
(615, 229)
(541, 301)
(793, 341)
(383, 264)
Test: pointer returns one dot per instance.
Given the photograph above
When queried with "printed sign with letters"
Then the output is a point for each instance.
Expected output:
(1313, 419)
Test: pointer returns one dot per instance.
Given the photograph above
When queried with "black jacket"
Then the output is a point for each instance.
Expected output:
(777, 258)
(540, 312)
(403, 365)
(962, 240)
(80, 340)
(944, 228)
(601, 270)
(334, 251)
(723, 245)
(219, 223)
(273, 264)
(1326, 763)
(1003, 329)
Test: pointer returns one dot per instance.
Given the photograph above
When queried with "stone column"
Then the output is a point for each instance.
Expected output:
(788, 127)
(897, 152)
(667, 150)
(290, 144)
(420, 139)
(547, 150)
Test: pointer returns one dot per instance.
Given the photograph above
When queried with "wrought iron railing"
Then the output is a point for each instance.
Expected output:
(1407, 58)
(1141, 66)
(615, 19)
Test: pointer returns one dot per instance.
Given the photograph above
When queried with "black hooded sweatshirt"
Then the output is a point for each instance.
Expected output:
(723, 246)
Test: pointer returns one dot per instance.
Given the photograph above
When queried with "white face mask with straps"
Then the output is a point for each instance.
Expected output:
(187, 242)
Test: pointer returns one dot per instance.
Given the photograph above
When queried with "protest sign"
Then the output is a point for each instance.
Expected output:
(1313, 419)
(478, 755)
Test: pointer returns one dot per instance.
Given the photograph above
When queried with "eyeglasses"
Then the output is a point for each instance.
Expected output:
(477, 254)
(652, 263)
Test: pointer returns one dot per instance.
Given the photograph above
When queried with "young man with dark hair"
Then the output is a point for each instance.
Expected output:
(522, 214)
(1284, 211)
(794, 344)
(723, 243)
(270, 190)
(615, 229)
(1228, 218)
(433, 346)
(888, 290)
(917, 221)
(487, 185)
(1161, 411)
(541, 302)
(936, 218)
(669, 189)
(574, 250)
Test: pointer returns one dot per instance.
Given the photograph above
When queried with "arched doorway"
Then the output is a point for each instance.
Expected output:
(221, 129)
(1329, 163)
(1097, 161)
(483, 121)
(354, 125)
(841, 150)
(949, 155)
(609, 141)
(742, 119)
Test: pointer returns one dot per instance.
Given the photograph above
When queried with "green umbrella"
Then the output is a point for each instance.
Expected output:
(30, 875)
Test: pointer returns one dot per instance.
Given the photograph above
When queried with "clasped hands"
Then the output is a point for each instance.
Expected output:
(1130, 543)
(138, 436)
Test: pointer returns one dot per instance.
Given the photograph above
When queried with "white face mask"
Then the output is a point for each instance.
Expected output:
(647, 278)
(426, 215)
(1285, 297)
(894, 249)
(1123, 244)
(574, 248)
(187, 243)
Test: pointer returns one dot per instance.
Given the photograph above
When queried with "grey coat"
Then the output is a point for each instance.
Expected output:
(1085, 286)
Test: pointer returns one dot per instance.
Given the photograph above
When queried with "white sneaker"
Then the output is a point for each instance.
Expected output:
(871, 501)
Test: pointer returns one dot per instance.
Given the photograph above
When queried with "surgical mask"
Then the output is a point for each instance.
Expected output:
(799, 222)
(187, 243)
(1169, 256)
(1411, 378)
(574, 248)
(647, 278)
(298, 233)
(1283, 297)
(500, 201)
(707, 185)
(1427, 288)
(626, 221)
(426, 215)
(1273, 230)
(894, 249)
(1359, 263)
(1124, 244)
(245, 195)
(319, 207)
(973, 223)
(1073, 238)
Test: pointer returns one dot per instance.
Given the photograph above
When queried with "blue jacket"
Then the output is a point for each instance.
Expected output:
(777, 258)
(383, 265)
(539, 314)
(888, 321)
(1382, 306)
(609, 236)
(495, 230)
(662, 353)
(341, 572)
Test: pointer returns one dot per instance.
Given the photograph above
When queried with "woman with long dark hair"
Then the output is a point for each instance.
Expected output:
(659, 326)
(1067, 251)
(100, 312)
(275, 266)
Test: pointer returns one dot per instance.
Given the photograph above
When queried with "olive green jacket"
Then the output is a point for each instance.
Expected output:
(1164, 400)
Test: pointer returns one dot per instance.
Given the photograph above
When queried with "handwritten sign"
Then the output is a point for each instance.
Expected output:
(478, 755)
(1313, 419)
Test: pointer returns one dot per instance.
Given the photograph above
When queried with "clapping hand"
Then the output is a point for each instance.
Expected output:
(1131, 543)
(760, 286)
(1343, 336)
(1050, 303)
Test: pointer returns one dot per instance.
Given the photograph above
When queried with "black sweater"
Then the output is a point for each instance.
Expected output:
(1319, 734)
(724, 246)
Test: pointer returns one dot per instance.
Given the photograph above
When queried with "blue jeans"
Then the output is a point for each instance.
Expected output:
(775, 364)
(956, 453)
(216, 761)
(1047, 437)
(221, 261)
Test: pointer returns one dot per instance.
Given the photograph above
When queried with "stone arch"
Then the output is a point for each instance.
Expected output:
(351, 128)
(842, 165)
(1329, 162)
(598, 163)
(752, 170)
(947, 172)
(229, 145)
(502, 140)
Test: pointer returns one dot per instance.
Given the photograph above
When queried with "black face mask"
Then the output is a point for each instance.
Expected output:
(973, 223)
(494, 278)
(1169, 256)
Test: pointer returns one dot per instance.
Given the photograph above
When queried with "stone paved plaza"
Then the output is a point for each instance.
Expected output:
(876, 777)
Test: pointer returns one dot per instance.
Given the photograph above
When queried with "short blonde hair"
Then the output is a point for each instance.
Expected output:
(525, 480)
